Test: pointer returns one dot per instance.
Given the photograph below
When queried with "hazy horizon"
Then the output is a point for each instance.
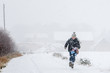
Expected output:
(24, 17)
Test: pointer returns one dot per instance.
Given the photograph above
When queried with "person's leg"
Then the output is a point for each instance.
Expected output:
(70, 59)
(73, 59)
(70, 56)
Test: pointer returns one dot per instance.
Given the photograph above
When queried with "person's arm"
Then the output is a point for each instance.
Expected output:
(66, 44)
(78, 44)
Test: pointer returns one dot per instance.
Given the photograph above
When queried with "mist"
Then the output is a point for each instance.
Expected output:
(29, 18)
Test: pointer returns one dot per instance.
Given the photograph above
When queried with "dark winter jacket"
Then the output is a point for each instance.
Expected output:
(71, 43)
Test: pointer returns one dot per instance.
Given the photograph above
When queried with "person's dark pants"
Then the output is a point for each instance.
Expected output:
(72, 57)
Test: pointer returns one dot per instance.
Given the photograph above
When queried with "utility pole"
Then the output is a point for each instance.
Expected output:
(4, 15)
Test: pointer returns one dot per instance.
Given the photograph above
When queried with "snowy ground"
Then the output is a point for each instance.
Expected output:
(47, 63)
(39, 59)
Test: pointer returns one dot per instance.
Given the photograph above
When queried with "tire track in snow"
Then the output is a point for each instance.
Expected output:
(36, 66)
(50, 65)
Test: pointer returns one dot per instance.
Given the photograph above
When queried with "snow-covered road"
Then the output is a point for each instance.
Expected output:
(46, 63)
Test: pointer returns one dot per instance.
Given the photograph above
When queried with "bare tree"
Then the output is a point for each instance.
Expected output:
(6, 43)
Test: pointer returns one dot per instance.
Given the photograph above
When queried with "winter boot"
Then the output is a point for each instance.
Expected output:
(71, 64)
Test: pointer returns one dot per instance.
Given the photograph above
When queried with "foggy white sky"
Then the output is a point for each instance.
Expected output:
(24, 17)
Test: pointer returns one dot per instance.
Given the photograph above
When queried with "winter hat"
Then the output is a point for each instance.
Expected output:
(74, 34)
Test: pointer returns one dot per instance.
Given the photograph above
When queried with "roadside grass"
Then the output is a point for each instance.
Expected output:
(5, 59)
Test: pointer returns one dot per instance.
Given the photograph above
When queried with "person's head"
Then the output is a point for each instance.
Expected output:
(73, 35)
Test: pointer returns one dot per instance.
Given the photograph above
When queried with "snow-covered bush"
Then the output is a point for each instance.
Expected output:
(59, 55)
(6, 43)
(84, 61)
(64, 58)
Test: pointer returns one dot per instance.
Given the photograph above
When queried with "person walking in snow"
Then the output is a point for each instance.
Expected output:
(73, 48)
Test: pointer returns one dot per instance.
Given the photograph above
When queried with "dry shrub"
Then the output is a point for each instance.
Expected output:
(4, 59)
(14, 55)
